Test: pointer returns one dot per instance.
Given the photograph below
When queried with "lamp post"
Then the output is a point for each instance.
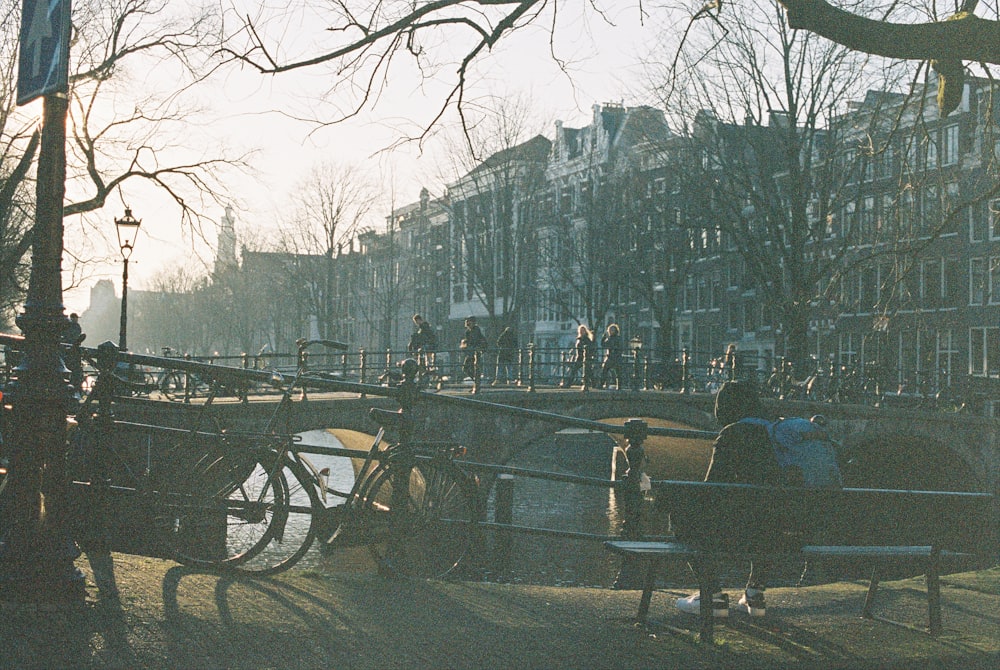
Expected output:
(128, 228)
(37, 553)
(635, 344)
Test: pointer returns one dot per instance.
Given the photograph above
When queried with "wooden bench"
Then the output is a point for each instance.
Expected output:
(929, 529)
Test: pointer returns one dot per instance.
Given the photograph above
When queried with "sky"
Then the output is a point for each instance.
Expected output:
(603, 64)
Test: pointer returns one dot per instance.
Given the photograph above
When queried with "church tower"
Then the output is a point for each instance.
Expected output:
(225, 250)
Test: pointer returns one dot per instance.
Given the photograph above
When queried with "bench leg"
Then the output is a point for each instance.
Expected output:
(933, 595)
(706, 633)
(647, 589)
(866, 610)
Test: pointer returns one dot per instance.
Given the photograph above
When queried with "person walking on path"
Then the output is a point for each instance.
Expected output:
(473, 344)
(612, 345)
(583, 355)
(506, 356)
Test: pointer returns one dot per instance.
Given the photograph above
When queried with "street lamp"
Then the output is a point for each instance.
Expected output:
(128, 228)
(635, 344)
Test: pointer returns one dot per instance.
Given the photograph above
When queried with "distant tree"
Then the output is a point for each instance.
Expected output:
(497, 172)
(331, 205)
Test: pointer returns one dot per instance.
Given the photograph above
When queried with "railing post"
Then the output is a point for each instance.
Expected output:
(520, 367)
(245, 360)
(630, 576)
(363, 366)
(586, 369)
(636, 368)
(531, 367)
(475, 371)
(645, 372)
(187, 381)
(503, 512)
(685, 370)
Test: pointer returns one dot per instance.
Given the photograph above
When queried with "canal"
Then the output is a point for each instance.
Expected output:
(537, 503)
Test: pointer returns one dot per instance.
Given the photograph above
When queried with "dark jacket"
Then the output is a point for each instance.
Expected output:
(612, 345)
(474, 339)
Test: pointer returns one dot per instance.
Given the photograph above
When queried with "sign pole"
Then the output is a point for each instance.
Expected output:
(37, 553)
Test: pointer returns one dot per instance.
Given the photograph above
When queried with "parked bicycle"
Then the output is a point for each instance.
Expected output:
(416, 509)
(254, 503)
(409, 502)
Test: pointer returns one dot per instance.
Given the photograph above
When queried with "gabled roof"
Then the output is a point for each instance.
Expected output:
(535, 150)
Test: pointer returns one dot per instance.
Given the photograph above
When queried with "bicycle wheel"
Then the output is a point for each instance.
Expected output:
(172, 385)
(251, 512)
(433, 532)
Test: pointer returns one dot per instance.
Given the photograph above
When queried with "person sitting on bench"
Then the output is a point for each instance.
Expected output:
(742, 454)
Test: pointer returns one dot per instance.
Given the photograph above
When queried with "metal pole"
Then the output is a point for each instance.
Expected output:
(37, 552)
(123, 323)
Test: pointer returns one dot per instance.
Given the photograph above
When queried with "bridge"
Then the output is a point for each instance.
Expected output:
(882, 447)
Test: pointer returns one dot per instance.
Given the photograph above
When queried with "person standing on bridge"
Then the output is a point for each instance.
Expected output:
(474, 345)
(423, 341)
(582, 358)
(612, 344)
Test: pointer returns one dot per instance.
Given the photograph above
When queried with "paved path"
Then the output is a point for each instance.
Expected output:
(170, 617)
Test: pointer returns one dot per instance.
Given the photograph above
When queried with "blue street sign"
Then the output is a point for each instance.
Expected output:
(43, 56)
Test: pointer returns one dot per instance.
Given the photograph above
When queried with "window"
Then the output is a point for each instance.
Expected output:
(932, 210)
(977, 281)
(949, 145)
(993, 291)
(946, 353)
(847, 352)
(930, 284)
(994, 218)
(926, 352)
(978, 223)
(888, 162)
(984, 350)
(907, 212)
(932, 153)
(867, 220)
(869, 292)
(951, 282)
(750, 314)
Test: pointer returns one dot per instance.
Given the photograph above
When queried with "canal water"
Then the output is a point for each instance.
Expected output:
(537, 503)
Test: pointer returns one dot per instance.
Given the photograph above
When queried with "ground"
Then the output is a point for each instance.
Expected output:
(172, 617)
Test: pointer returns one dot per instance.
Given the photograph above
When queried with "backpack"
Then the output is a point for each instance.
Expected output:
(804, 451)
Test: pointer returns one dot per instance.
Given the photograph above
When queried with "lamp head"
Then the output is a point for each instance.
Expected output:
(127, 228)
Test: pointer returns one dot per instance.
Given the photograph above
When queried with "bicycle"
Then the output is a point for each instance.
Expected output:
(416, 510)
(181, 386)
(196, 503)
(409, 503)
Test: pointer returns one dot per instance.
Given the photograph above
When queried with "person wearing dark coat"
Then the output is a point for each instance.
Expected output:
(612, 345)
(742, 454)
(473, 344)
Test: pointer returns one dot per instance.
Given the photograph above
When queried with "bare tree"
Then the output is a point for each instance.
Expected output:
(756, 97)
(115, 137)
(331, 205)
(497, 176)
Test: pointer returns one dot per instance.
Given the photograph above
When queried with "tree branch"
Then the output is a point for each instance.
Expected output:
(963, 37)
